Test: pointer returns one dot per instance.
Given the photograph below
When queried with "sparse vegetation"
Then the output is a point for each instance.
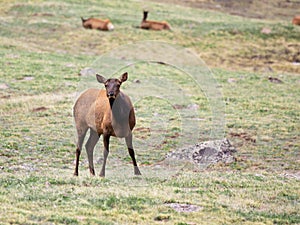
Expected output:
(43, 47)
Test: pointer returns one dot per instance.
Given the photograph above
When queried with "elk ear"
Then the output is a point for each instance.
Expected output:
(123, 78)
(100, 79)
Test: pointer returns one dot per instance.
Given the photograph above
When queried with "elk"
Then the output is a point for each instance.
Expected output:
(296, 20)
(108, 112)
(153, 25)
(98, 24)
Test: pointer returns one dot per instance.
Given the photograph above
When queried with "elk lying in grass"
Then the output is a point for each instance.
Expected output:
(153, 25)
(296, 20)
(108, 112)
(98, 24)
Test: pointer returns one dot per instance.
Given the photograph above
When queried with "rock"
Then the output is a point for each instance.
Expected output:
(70, 65)
(193, 106)
(266, 30)
(87, 72)
(28, 78)
(275, 80)
(3, 86)
(206, 153)
(231, 80)
(136, 81)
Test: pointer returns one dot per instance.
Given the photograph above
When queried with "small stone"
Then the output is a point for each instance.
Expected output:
(274, 80)
(28, 78)
(137, 81)
(4, 86)
(266, 30)
(87, 72)
(193, 106)
(231, 80)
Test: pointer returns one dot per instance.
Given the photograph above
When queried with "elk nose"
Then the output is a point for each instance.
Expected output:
(111, 94)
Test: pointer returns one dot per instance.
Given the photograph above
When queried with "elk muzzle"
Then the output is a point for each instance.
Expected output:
(111, 95)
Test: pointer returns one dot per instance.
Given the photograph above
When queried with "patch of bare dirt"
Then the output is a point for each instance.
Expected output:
(184, 207)
(262, 9)
(244, 136)
(292, 175)
(40, 109)
(259, 57)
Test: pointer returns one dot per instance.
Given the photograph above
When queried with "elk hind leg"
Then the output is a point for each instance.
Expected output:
(128, 140)
(89, 146)
(80, 135)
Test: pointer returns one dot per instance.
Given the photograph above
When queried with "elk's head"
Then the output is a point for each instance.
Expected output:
(112, 85)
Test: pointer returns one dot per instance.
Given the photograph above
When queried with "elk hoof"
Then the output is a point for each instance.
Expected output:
(137, 171)
(92, 171)
(102, 174)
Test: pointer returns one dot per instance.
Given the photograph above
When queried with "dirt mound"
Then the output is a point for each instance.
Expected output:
(206, 153)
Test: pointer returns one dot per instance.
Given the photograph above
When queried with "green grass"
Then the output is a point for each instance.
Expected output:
(43, 47)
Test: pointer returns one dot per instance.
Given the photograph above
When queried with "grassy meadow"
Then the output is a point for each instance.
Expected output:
(255, 63)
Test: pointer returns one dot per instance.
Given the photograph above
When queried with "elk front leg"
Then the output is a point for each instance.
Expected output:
(105, 153)
(131, 153)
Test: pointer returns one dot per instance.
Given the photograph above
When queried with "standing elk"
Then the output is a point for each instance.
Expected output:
(106, 112)
(98, 24)
(153, 25)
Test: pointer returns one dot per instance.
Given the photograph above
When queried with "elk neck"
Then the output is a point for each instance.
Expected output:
(145, 15)
(120, 110)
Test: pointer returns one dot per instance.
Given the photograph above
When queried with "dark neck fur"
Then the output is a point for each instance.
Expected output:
(111, 102)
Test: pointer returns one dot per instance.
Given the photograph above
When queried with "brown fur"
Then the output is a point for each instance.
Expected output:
(154, 25)
(104, 112)
(98, 24)
(296, 20)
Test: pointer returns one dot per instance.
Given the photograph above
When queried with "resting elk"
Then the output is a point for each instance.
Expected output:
(153, 25)
(98, 24)
(296, 20)
(108, 113)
